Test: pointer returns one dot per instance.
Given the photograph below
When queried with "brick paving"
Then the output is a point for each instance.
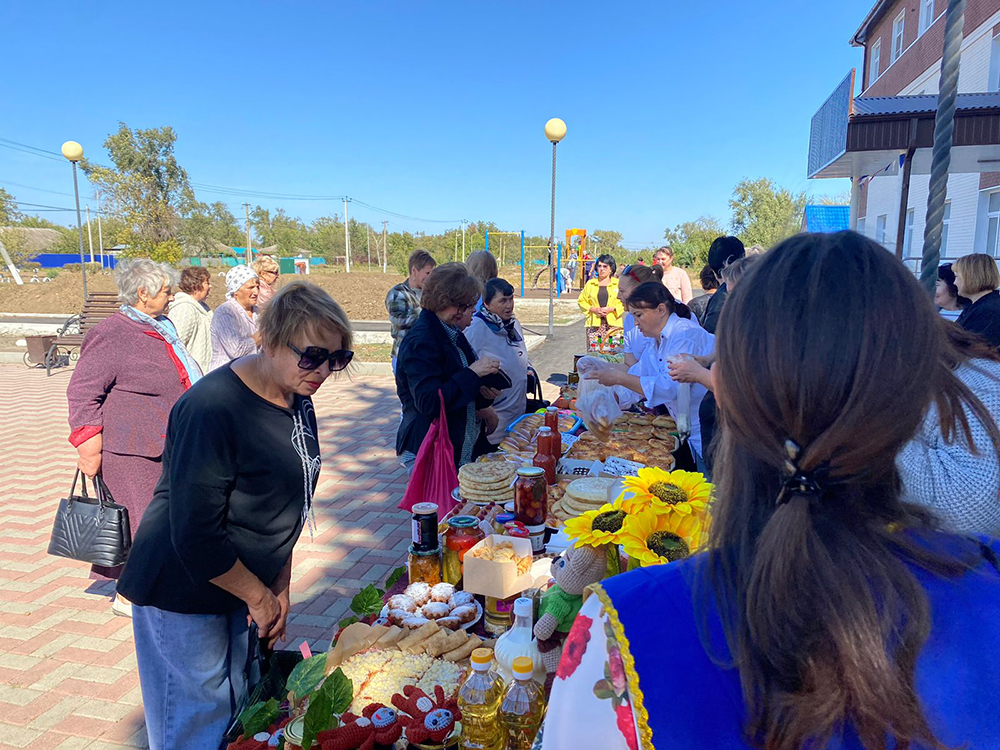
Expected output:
(68, 675)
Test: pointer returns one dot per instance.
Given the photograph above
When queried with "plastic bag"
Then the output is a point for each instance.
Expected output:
(434, 475)
(597, 404)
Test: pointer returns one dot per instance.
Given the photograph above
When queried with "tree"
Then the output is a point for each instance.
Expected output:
(11, 236)
(286, 232)
(690, 240)
(146, 188)
(763, 213)
(205, 227)
(606, 242)
(841, 199)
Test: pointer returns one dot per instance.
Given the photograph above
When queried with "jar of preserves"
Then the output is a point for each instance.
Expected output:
(545, 458)
(424, 567)
(462, 535)
(531, 504)
(501, 520)
(498, 614)
(425, 527)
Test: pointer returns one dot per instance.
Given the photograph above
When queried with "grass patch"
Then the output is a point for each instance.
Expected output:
(372, 353)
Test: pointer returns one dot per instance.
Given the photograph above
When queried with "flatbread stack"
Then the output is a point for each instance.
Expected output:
(582, 495)
(484, 483)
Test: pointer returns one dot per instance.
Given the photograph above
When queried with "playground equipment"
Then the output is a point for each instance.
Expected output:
(540, 279)
(576, 249)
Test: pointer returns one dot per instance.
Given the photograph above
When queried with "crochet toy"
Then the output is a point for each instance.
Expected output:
(379, 725)
(573, 572)
(427, 720)
(262, 740)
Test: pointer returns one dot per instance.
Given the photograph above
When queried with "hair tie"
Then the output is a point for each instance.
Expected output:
(798, 482)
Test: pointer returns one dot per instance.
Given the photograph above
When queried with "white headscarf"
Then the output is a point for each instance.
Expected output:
(237, 277)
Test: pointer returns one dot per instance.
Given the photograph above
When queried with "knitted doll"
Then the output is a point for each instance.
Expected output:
(573, 572)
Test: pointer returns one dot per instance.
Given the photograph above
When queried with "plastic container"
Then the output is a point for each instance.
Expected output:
(479, 699)
(522, 706)
(518, 641)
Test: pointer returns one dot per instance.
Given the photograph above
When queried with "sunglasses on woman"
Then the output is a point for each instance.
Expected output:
(314, 356)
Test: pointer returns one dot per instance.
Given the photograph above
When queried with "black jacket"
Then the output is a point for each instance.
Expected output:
(983, 317)
(426, 363)
(714, 309)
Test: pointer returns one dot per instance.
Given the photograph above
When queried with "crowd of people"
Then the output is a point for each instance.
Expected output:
(850, 425)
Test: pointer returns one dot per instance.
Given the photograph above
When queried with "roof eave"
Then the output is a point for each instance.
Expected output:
(858, 40)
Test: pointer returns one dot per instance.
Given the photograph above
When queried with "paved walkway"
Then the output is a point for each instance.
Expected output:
(67, 667)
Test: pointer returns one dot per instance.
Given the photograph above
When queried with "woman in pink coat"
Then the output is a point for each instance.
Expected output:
(132, 369)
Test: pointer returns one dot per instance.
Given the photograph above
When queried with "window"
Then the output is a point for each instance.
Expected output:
(908, 233)
(861, 225)
(897, 35)
(880, 222)
(944, 229)
(874, 65)
(926, 14)
(993, 224)
(993, 83)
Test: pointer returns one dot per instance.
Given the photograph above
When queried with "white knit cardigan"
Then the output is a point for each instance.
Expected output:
(958, 485)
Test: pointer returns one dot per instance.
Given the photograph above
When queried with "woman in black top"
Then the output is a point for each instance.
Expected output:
(435, 356)
(977, 278)
(214, 550)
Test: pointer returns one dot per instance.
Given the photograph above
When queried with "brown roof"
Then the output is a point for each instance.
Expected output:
(38, 240)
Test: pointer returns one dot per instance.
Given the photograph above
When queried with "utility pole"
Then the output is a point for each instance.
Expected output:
(249, 250)
(456, 246)
(90, 235)
(100, 233)
(347, 237)
(368, 233)
(463, 240)
(385, 249)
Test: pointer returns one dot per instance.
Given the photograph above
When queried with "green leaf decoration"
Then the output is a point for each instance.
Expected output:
(259, 716)
(394, 577)
(306, 675)
(348, 621)
(603, 691)
(334, 697)
(341, 690)
(607, 671)
(366, 602)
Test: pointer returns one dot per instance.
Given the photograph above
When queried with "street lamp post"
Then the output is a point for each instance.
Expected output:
(555, 131)
(73, 152)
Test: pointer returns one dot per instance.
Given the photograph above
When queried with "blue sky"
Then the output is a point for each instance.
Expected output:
(435, 109)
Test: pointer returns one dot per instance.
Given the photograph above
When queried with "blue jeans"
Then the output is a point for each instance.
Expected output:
(192, 670)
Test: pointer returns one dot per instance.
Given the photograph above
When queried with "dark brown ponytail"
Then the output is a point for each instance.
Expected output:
(652, 294)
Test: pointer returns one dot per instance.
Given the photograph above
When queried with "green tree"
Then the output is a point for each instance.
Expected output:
(690, 240)
(840, 199)
(604, 241)
(205, 226)
(763, 213)
(146, 188)
(288, 233)
(11, 236)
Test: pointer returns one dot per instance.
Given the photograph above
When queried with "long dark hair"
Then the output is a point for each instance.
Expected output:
(652, 294)
(823, 617)
(947, 275)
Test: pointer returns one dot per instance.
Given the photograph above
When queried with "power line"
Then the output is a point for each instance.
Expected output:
(38, 189)
(30, 151)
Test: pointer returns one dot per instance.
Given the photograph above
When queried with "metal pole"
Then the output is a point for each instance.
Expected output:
(463, 240)
(944, 129)
(552, 236)
(487, 240)
(522, 265)
(100, 232)
(79, 230)
(368, 233)
(90, 236)
(347, 238)
(559, 269)
(385, 250)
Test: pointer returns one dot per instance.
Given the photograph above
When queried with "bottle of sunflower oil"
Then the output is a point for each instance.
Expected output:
(523, 706)
(479, 698)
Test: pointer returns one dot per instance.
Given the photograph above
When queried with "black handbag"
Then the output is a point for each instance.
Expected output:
(95, 530)
(535, 400)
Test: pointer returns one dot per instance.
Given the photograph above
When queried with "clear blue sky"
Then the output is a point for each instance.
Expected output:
(436, 109)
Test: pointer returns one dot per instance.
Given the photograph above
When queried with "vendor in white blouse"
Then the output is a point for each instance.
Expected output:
(495, 332)
(673, 332)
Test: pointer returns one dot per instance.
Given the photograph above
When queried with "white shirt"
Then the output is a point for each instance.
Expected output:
(635, 342)
(511, 403)
(679, 336)
(193, 321)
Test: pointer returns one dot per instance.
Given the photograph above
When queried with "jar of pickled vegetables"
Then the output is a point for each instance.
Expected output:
(531, 504)
(424, 567)
(462, 535)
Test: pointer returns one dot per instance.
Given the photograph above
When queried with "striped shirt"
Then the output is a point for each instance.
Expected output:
(232, 333)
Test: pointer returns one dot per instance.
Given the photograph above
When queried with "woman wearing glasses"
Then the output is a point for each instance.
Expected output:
(268, 271)
(435, 357)
(599, 301)
(214, 550)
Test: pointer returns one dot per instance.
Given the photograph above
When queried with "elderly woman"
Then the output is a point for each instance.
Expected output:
(240, 467)
(234, 325)
(133, 367)
(436, 357)
(192, 317)
(268, 271)
(495, 332)
(599, 301)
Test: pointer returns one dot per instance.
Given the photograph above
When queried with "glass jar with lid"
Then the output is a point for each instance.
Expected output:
(462, 535)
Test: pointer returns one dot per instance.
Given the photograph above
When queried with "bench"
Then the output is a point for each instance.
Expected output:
(66, 348)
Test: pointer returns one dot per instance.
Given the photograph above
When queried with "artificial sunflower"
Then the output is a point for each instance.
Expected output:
(683, 492)
(596, 528)
(653, 537)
